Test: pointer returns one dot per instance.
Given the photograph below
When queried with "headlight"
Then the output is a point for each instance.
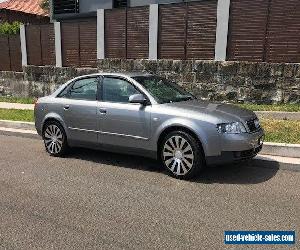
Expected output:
(231, 128)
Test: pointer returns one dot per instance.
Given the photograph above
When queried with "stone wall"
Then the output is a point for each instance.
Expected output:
(12, 83)
(37, 81)
(223, 81)
(220, 81)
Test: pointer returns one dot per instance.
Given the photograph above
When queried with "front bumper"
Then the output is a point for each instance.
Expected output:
(238, 147)
(234, 156)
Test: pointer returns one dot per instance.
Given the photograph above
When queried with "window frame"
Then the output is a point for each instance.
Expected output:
(115, 6)
(176, 85)
(148, 102)
(69, 86)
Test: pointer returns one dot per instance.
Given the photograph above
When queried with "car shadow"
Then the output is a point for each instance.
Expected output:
(248, 172)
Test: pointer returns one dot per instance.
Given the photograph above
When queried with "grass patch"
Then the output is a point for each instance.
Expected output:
(23, 100)
(16, 115)
(281, 131)
(272, 107)
(276, 130)
(253, 107)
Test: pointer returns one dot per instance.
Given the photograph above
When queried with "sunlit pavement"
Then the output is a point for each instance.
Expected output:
(98, 200)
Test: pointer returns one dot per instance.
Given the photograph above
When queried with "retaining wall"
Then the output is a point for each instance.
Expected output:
(219, 81)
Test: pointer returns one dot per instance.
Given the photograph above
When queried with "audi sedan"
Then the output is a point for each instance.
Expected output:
(144, 114)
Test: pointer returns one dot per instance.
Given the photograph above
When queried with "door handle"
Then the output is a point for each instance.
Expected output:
(66, 107)
(103, 111)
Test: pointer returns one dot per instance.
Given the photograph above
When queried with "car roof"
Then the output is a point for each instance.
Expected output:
(121, 74)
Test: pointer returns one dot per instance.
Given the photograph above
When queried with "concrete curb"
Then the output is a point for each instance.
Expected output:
(262, 161)
(19, 132)
(17, 128)
(275, 149)
(281, 149)
(17, 125)
(271, 162)
(278, 115)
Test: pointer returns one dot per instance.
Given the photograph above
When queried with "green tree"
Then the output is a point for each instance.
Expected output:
(45, 5)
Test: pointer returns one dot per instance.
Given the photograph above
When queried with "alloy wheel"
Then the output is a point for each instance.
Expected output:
(178, 155)
(53, 138)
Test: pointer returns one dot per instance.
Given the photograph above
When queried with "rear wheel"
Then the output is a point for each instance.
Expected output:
(55, 139)
(182, 155)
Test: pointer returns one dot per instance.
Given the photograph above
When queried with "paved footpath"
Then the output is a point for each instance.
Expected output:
(7, 105)
(97, 200)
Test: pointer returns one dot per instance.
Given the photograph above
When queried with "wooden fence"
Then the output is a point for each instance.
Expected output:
(79, 43)
(40, 43)
(188, 30)
(264, 31)
(127, 33)
(259, 31)
(10, 53)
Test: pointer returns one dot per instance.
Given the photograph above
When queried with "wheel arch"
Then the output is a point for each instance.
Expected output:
(173, 128)
(56, 118)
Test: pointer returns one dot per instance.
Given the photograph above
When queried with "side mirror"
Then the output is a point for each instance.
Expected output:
(137, 98)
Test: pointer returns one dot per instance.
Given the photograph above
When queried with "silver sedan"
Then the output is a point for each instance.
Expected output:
(146, 115)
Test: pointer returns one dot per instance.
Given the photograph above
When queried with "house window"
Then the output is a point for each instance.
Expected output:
(120, 3)
(65, 6)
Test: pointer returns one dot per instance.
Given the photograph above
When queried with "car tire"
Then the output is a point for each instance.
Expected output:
(55, 139)
(182, 155)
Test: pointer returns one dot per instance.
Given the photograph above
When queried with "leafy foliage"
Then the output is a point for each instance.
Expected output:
(45, 5)
(10, 28)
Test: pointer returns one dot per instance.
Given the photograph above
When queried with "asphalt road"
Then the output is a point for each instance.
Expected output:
(98, 200)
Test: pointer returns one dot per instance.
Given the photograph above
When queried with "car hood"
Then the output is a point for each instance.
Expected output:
(221, 111)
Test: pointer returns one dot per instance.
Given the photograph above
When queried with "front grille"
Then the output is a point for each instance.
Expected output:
(253, 125)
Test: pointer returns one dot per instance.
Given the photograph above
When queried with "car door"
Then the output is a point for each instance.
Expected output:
(122, 123)
(80, 110)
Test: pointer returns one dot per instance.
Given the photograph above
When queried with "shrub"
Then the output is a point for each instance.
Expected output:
(10, 28)
(45, 5)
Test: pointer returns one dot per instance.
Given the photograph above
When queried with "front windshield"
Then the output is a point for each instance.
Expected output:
(162, 90)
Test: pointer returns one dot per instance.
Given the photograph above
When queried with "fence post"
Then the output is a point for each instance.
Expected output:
(23, 44)
(223, 13)
(57, 32)
(100, 34)
(153, 31)
(51, 7)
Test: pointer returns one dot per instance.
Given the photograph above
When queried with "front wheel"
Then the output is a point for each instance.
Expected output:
(182, 155)
(55, 139)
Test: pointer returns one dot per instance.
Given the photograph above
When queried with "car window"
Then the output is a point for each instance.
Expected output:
(163, 90)
(117, 90)
(85, 89)
(64, 92)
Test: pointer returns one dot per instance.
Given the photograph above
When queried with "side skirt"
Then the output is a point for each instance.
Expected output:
(115, 149)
